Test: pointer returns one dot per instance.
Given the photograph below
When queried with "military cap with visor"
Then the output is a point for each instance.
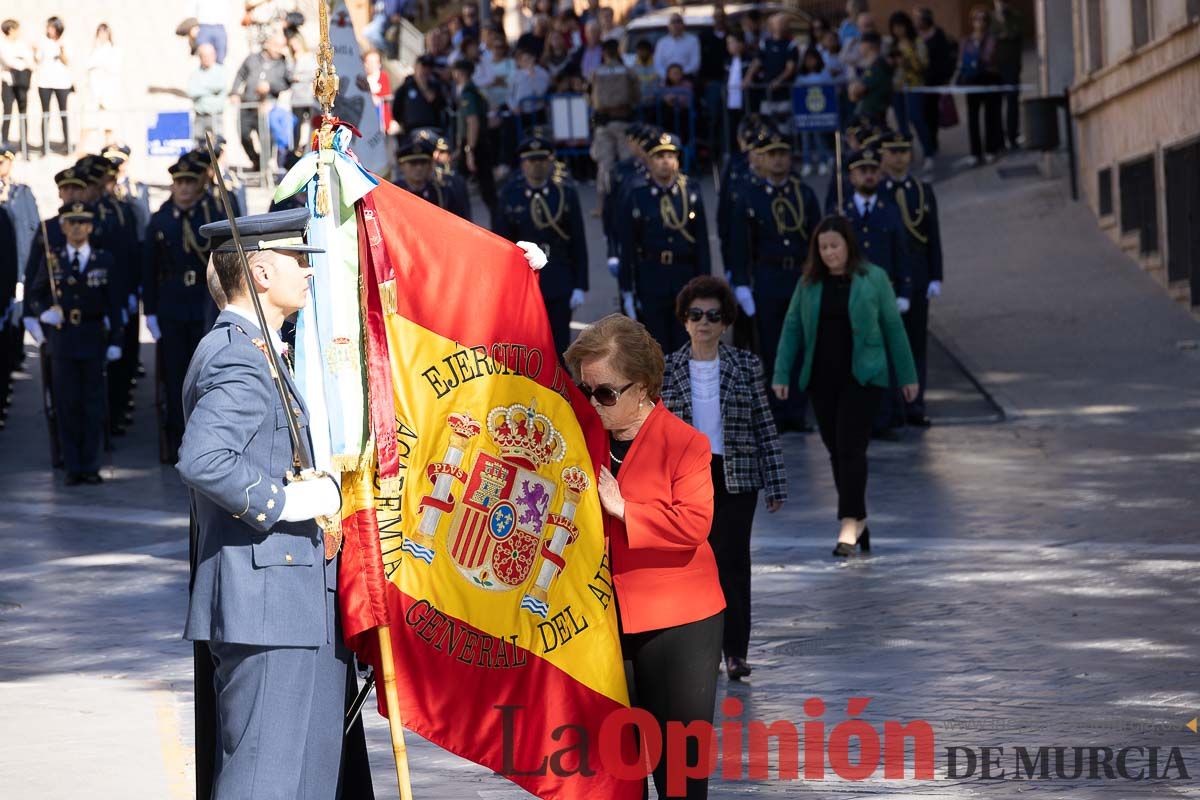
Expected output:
(276, 230)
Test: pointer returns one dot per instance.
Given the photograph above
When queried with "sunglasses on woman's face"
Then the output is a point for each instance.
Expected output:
(605, 395)
(713, 315)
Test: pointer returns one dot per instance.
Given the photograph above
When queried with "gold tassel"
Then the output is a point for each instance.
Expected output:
(322, 196)
(387, 296)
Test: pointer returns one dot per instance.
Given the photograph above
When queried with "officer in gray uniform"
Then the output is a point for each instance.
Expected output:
(263, 596)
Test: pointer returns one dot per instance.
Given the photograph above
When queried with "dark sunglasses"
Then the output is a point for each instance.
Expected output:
(713, 315)
(605, 395)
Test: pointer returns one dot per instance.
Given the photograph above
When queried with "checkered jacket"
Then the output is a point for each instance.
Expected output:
(753, 457)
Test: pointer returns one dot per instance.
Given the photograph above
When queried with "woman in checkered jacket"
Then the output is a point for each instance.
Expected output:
(721, 391)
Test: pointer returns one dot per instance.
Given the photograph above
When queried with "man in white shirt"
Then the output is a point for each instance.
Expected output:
(677, 47)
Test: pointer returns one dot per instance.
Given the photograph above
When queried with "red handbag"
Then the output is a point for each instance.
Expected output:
(947, 111)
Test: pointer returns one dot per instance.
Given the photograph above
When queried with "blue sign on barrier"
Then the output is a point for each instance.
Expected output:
(815, 107)
(170, 135)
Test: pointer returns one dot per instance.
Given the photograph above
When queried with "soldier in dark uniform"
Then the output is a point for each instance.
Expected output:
(775, 216)
(664, 243)
(627, 174)
(79, 309)
(135, 197)
(919, 213)
(542, 208)
(174, 286)
(453, 186)
(884, 242)
(415, 159)
(116, 233)
(858, 136)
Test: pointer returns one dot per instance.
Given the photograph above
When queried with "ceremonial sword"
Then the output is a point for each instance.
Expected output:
(306, 469)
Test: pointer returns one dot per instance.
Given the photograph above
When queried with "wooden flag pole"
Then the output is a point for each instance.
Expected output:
(391, 699)
(325, 85)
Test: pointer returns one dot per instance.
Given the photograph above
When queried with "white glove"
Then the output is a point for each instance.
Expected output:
(34, 329)
(310, 499)
(576, 300)
(52, 317)
(534, 255)
(152, 326)
(934, 290)
(20, 295)
(113, 353)
(614, 266)
(903, 304)
(745, 299)
(628, 305)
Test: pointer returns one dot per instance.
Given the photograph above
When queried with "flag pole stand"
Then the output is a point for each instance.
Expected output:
(391, 700)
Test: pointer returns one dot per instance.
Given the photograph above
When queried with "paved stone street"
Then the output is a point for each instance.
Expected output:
(1034, 582)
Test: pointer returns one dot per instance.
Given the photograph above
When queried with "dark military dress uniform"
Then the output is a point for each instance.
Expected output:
(768, 247)
(175, 291)
(90, 305)
(664, 244)
(883, 242)
(8, 293)
(917, 205)
(551, 217)
(450, 183)
(415, 148)
(116, 233)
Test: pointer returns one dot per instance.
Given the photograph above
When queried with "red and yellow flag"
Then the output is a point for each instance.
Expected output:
(478, 537)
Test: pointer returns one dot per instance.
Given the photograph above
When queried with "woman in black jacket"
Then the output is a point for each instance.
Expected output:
(721, 391)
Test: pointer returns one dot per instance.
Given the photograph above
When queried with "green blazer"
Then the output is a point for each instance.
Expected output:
(874, 320)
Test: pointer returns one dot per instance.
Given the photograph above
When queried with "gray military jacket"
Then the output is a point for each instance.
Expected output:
(257, 580)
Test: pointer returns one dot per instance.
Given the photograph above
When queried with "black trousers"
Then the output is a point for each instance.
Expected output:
(247, 128)
(845, 410)
(60, 97)
(559, 312)
(672, 673)
(17, 96)
(993, 136)
(772, 307)
(79, 408)
(733, 516)
(916, 325)
(931, 110)
(179, 341)
(1012, 116)
(484, 174)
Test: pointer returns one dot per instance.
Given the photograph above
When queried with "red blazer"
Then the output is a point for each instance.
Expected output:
(663, 569)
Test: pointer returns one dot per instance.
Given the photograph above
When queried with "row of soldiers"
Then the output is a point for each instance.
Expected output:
(656, 227)
(90, 273)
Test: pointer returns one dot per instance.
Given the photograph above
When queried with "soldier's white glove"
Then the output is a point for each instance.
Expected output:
(934, 290)
(310, 499)
(628, 305)
(20, 294)
(902, 304)
(614, 265)
(745, 299)
(152, 326)
(52, 317)
(533, 254)
(113, 353)
(34, 329)
(576, 299)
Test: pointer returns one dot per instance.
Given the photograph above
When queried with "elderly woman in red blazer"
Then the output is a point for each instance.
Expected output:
(658, 498)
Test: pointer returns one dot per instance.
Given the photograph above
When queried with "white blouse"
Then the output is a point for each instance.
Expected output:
(706, 402)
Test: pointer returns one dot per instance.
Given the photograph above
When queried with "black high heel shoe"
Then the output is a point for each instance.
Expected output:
(844, 550)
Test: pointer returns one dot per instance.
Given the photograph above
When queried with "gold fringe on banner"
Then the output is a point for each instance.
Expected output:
(387, 296)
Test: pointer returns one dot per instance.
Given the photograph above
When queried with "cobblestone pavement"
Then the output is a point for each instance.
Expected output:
(1034, 582)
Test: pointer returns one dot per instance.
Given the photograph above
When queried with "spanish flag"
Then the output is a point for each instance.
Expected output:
(478, 535)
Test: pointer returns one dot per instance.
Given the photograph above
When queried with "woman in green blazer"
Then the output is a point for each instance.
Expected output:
(843, 316)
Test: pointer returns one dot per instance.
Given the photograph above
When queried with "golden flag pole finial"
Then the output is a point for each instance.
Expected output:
(325, 87)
